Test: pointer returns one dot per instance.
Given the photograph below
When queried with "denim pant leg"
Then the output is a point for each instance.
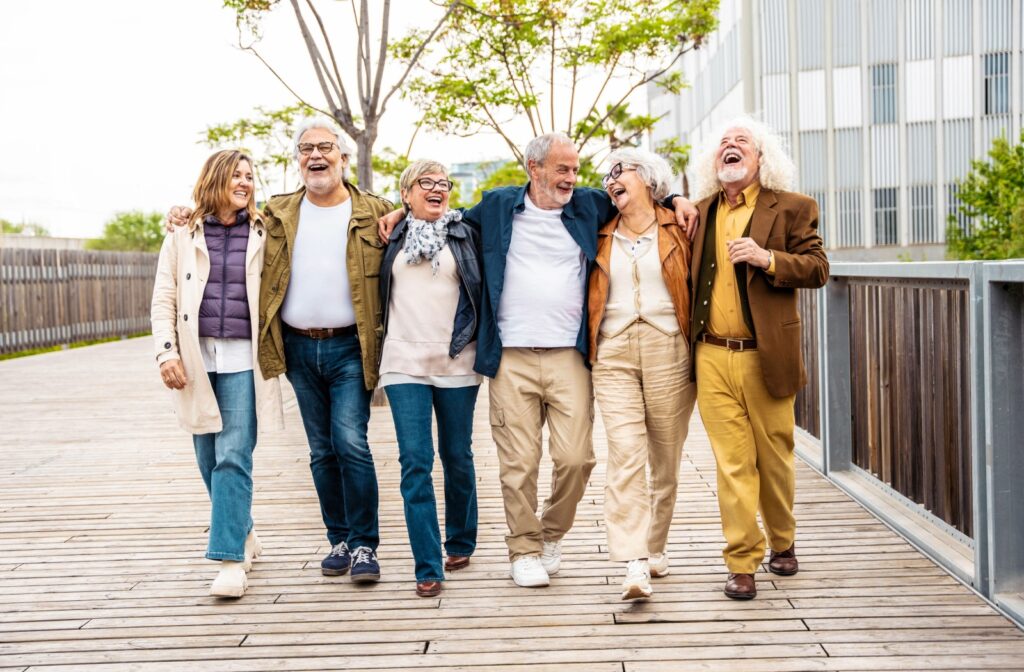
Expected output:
(312, 393)
(342, 365)
(411, 410)
(454, 410)
(229, 480)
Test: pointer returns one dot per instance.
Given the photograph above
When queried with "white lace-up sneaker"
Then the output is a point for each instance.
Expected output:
(231, 581)
(658, 564)
(529, 572)
(551, 557)
(637, 583)
(253, 549)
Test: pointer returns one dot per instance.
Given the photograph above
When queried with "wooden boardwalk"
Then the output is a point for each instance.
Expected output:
(102, 530)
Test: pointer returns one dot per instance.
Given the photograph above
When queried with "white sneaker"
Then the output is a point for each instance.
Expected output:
(253, 549)
(529, 572)
(551, 557)
(231, 581)
(637, 583)
(658, 564)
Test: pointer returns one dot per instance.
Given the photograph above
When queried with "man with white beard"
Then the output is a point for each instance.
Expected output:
(757, 242)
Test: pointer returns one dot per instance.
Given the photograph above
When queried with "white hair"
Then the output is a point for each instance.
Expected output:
(652, 169)
(538, 148)
(324, 122)
(777, 171)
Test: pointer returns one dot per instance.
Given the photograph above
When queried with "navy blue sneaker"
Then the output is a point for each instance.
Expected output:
(365, 568)
(338, 561)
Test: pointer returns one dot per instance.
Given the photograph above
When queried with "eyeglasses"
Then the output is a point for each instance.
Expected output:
(615, 173)
(427, 184)
(306, 148)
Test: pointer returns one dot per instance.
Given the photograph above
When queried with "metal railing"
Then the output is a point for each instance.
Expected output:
(918, 371)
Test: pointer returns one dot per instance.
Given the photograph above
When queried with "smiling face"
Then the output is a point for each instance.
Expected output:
(737, 161)
(427, 204)
(240, 187)
(552, 181)
(322, 173)
(627, 191)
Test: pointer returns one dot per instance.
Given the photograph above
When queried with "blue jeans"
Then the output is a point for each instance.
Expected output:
(327, 376)
(225, 461)
(411, 408)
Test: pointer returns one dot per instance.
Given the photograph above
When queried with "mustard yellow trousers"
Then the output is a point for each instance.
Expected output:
(751, 435)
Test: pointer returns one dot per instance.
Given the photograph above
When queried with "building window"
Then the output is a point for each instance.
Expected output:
(997, 83)
(924, 227)
(886, 231)
(955, 216)
(883, 93)
(848, 214)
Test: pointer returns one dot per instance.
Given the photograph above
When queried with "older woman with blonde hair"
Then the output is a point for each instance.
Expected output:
(205, 317)
(639, 308)
(431, 290)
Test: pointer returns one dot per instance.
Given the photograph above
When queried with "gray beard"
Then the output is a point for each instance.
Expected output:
(729, 175)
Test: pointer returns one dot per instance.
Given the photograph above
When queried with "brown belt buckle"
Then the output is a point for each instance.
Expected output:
(739, 344)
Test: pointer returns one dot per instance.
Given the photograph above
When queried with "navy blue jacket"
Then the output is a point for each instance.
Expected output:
(464, 243)
(492, 216)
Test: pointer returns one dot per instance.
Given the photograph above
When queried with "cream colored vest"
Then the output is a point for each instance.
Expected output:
(636, 291)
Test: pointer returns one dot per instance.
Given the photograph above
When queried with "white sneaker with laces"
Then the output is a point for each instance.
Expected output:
(637, 583)
(658, 564)
(551, 557)
(529, 572)
(253, 549)
(231, 581)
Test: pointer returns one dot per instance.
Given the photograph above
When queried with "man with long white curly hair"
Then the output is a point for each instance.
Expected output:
(757, 242)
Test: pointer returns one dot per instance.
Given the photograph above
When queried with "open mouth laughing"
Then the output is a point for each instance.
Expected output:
(732, 156)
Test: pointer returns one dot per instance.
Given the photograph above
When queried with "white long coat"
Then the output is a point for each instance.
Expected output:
(181, 276)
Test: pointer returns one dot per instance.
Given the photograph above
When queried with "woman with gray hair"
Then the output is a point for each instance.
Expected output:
(430, 289)
(639, 316)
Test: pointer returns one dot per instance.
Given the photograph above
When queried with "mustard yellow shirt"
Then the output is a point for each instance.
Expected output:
(726, 317)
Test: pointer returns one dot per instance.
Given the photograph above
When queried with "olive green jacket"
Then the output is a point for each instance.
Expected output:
(362, 258)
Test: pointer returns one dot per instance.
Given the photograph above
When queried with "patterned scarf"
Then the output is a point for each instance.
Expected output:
(424, 240)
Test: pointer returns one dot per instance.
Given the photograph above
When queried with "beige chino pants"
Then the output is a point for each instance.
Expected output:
(642, 383)
(534, 386)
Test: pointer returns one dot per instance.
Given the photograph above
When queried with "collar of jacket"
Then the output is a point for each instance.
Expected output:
(286, 206)
(520, 203)
(195, 225)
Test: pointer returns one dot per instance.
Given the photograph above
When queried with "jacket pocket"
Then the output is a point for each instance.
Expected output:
(791, 323)
(371, 250)
(497, 417)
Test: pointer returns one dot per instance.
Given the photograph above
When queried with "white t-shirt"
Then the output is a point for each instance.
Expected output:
(541, 304)
(319, 294)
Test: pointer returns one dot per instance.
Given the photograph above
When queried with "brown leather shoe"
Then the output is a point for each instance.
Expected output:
(428, 588)
(454, 562)
(784, 563)
(741, 587)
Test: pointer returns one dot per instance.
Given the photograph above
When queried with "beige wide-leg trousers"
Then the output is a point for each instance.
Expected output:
(534, 386)
(642, 383)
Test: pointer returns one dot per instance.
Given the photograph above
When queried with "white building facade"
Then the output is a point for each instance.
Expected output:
(883, 102)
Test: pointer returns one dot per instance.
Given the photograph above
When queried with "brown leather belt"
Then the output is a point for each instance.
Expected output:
(323, 334)
(735, 344)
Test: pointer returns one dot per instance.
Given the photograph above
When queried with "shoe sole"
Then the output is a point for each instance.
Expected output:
(365, 578)
(636, 593)
(657, 575)
(740, 596)
(456, 566)
(334, 572)
(778, 573)
(230, 593)
(552, 572)
(537, 584)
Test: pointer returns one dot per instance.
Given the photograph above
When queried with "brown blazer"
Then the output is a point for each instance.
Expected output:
(786, 223)
(674, 248)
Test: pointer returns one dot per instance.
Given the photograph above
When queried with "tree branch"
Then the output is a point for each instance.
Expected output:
(382, 56)
(416, 56)
(337, 79)
(552, 75)
(292, 91)
(597, 99)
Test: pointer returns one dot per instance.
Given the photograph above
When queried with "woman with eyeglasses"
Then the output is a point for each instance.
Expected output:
(639, 309)
(205, 316)
(430, 290)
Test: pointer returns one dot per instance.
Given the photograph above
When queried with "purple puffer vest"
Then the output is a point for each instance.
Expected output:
(224, 312)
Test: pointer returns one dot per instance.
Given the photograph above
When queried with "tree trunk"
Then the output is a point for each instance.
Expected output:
(364, 152)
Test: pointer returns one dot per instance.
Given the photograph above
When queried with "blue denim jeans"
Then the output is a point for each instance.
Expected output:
(327, 376)
(225, 461)
(411, 408)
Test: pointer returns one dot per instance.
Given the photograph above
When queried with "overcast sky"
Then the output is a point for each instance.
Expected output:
(102, 103)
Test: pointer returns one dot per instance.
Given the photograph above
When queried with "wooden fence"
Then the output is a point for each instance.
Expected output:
(808, 408)
(53, 297)
(910, 386)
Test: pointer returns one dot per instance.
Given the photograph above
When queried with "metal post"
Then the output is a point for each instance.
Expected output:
(837, 425)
